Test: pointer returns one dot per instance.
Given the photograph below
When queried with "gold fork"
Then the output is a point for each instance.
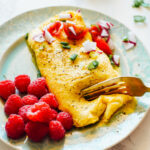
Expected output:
(123, 85)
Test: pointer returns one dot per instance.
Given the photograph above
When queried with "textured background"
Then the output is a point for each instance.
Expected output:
(118, 9)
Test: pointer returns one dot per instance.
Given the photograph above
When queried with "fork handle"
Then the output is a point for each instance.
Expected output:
(148, 89)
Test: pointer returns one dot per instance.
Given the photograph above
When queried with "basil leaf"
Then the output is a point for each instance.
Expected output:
(73, 57)
(139, 18)
(93, 65)
(137, 3)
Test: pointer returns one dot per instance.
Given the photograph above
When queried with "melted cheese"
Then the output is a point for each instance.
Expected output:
(66, 78)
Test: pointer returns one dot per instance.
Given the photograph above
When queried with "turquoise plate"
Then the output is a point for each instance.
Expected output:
(15, 59)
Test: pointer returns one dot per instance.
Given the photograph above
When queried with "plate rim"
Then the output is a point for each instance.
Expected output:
(87, 9)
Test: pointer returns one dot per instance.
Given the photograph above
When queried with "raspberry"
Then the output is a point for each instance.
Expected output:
(53, 114)
(40, 112)
(23, 112)
(36, 131)
(29, 100)
(7, 88)
(38, 87)
(50, 99)
(56, 130)
(65, 119)
(22, 82)
(15, 126)
(13, 104)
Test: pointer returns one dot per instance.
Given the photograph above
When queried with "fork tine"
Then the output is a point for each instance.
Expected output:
(105, 89)
(121, 90)
(101, 85)
(132, 86)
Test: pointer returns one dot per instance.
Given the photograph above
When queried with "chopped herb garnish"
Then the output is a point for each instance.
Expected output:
(137, 3)
(26, 36)
(93, 65)
(139, 18)
(136, 75)
(73, 57)
(66, 47)
(42, 47)
(64, 43)
(147, 5)
(63, 20)
(38, 73)
(4, 76)
(125, 39)
(111, 59)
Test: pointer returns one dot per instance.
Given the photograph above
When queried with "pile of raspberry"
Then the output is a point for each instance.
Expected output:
(36, 113)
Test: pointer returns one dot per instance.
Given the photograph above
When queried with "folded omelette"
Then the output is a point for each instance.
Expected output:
(66, 78)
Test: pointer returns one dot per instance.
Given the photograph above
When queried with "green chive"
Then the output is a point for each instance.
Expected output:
(73, 57)
(137, 3)
(93, 65)
(38, 73)
(66, 47)
(64, 43)
(111, 59)
(42, 47)
(136, 75)
(139, 18)
(125, 39)
(63, 20)
(147, 5)
(26, 36)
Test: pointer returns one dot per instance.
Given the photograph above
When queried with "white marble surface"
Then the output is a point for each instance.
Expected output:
(118, 9)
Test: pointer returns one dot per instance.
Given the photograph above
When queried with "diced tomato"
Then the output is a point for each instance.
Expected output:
(102, 44)
(55, 28)
(95, 31)
(80, 33)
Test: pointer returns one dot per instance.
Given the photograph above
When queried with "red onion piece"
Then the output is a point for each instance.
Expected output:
(128, 45)
(39, 38)
(131, 41)
(72, 30)
(106, 25)
(116, 59)
(100, 52)
(48, 37)
(108, 38)
(70, 22)
(90, 51)
(62, 25)
(134, 43)
(104, 33)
